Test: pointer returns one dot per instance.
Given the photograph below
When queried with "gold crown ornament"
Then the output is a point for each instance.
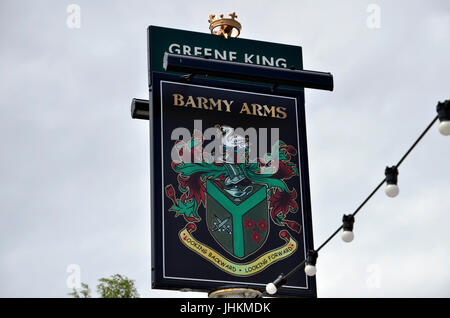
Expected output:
(226, 27)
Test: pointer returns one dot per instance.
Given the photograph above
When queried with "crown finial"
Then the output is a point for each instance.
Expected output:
(212, 17)
(226, 27)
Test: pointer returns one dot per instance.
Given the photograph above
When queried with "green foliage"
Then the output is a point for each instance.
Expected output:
(117, 286)
(85, 292)
(187, 208)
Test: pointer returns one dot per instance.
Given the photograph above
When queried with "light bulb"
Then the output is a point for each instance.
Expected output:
(271, 289)
(444, 127)
(310, 270)
(347, 236)
(392, 190)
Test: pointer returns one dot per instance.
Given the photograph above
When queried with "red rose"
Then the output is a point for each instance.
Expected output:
(170, 191)
(191, 227)
(262, 225)
(285, 234)
(194, 186)
(249, 224)
(291, 150)
(282, 202)
(292, 225)
(256, 237)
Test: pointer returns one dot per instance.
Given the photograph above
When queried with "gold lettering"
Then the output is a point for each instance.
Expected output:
(228, 105)
(257, 110)
(269, 110)
(282, 111)
(190, 101)
(202, 102)
(217, 104)
(245, 109)
(178, 100)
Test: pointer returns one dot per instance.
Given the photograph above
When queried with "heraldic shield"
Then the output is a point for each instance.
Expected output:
(237, 216)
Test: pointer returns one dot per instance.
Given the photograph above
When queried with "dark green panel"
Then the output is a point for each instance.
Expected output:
(260, 213)
(163, 40)
(220, 224)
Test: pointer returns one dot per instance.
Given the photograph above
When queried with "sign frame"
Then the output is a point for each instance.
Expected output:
(157, 189)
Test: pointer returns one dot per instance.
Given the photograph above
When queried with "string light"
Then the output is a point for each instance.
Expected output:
(392, 188)
(443, 110)
(272, 288)
(311, 259)
(347, 234)
(391, 173)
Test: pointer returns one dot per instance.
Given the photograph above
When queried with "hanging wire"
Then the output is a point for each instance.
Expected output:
(284, 279)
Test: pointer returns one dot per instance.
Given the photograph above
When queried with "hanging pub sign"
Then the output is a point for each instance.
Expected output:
(230, 185)
(230, 201)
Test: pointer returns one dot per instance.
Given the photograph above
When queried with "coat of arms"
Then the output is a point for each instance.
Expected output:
(238, 202)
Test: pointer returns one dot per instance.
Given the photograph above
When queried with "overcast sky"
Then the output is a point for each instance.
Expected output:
(74, 166)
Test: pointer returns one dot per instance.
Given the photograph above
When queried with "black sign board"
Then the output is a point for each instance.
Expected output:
(222, 216)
